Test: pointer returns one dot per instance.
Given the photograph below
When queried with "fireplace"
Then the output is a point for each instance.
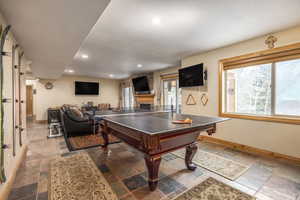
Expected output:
(145, 106)
(144, 101)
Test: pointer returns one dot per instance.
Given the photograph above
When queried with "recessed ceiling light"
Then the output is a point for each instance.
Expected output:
(69, 70)
(139, 65)
(85, 56)
(156, 21)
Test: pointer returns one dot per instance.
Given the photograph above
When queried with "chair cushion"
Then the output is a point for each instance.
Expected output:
(76, 111)
(75, 117)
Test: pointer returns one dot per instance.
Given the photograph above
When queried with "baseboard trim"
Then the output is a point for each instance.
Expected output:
(251, 150)
(7, 186)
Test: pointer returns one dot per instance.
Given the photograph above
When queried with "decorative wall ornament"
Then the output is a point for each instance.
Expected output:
(49, 85)
(270, 41)
(190, 100)
(204, 99)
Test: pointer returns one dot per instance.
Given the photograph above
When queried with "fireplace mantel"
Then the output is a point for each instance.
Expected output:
(144, 98)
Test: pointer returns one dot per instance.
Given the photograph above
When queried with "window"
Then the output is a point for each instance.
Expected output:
(248, 90)
(262, 86)
(128, 101)
(287, 90)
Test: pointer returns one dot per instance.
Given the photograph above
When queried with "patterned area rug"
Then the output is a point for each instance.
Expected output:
(89, 141)
(220, 165)
(76, 177)
(211, 189)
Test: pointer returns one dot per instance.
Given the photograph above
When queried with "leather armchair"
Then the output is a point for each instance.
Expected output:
(75, 125)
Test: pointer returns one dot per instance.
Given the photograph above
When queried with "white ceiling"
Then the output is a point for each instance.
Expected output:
(51, 31)
(124, 35)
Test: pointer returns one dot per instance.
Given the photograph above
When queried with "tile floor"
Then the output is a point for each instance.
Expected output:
(266, 179)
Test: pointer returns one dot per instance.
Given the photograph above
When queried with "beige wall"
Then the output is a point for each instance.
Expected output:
(276, 137)
(63, 93)
(9, 159)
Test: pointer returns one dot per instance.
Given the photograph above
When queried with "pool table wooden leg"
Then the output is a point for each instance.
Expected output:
(189, 155)
(152, 163)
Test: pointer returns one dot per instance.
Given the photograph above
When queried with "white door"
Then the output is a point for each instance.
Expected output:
(172, 94)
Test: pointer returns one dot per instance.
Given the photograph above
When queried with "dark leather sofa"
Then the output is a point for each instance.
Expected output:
(74, 125)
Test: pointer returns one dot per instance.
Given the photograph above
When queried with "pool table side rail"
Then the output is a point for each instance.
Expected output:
(153, 144)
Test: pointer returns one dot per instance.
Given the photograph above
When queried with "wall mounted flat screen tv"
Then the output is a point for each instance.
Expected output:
(140, 84)
(191, 76)
(86, 88)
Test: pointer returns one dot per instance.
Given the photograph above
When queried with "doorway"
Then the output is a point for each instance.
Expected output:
(172, 94)
(29, 100)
